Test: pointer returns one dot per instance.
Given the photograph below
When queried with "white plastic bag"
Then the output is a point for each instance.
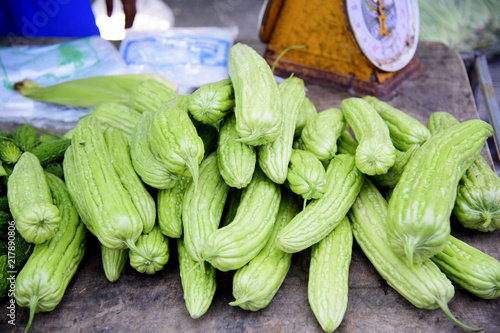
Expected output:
(189, 57)
(51, 64)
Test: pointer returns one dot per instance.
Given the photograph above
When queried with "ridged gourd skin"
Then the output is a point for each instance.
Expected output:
(198, 283)
(392, 176)
(9, 152)
(236, 160)
(212, 101)
(477, 205)
(150, 95)
(273, 158)
(307, 111)
(328, 283)
(321, 216)
(256, 283)
(202, 210)
(118, 149)
(423, 285)
(375, 153)
(474, 270)
(145, 160)
(306, 175)
(52, 151)
(30, 201)
(321, 133)
(113, 262)
(234, 245)
(155, 246)
(42, 282)
(102, 201)
(405, 131)
(169, 202)
(231, 207)
(209, 135)
(120, 116)
(175, 139)
(422, 201)
(25, 137)
(346, 144)
(257, 99)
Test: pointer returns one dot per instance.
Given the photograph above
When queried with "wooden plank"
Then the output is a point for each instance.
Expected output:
(141, 303)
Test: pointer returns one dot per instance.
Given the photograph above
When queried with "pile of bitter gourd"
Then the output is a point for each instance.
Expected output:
(244, 172)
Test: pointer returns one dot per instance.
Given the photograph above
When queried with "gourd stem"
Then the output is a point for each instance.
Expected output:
(487, 220)
(252, 137)
(33, 305)
(198, 264)
(409, 253)
(131, 245)
(194, 170)
(43, 131)
(305, 202)
(285, 51)
(238, 301)
(444, 306)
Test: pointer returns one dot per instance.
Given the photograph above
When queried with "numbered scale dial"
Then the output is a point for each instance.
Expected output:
(386, 31)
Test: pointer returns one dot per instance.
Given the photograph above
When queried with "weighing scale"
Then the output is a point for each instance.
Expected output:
(360, 46)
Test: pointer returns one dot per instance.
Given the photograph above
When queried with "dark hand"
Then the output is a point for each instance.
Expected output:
(129, 9)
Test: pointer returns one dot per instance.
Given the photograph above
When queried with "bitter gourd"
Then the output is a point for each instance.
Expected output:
(477, 205)
(212, 101)
(174, 138)
(422, 201)
(30, 201)
(202, 210)
(306, 175)
(169, 202)
(307, 111)
(274, 157)
(113, 262)
(321, 216)
(375, 153)
(320, 134)
(117, 115)
(405, 131)
(328, 284)
(423, 285)
(102, 201)
(155, 247)
(118, 149)
(145, 159)
(469, 267)
(236, 160)
(51, 151)
(150, 95)
(43, 280)
(198, 283)
(9, 152)
(257, 100)
(25, 137)
(256, 283)
(234, 245)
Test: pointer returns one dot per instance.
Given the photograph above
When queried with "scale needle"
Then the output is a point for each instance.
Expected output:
(381, 18)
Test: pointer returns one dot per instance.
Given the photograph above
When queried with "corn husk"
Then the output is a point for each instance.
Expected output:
(88, 92)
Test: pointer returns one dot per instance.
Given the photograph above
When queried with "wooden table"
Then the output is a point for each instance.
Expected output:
(141, 303)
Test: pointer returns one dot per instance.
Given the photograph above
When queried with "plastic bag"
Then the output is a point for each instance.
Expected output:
(189, 57)
(47, 65)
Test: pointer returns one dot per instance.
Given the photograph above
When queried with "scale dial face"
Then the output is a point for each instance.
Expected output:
(385, 30)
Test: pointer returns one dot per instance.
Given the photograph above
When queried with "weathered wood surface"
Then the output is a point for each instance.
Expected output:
(141, 303)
